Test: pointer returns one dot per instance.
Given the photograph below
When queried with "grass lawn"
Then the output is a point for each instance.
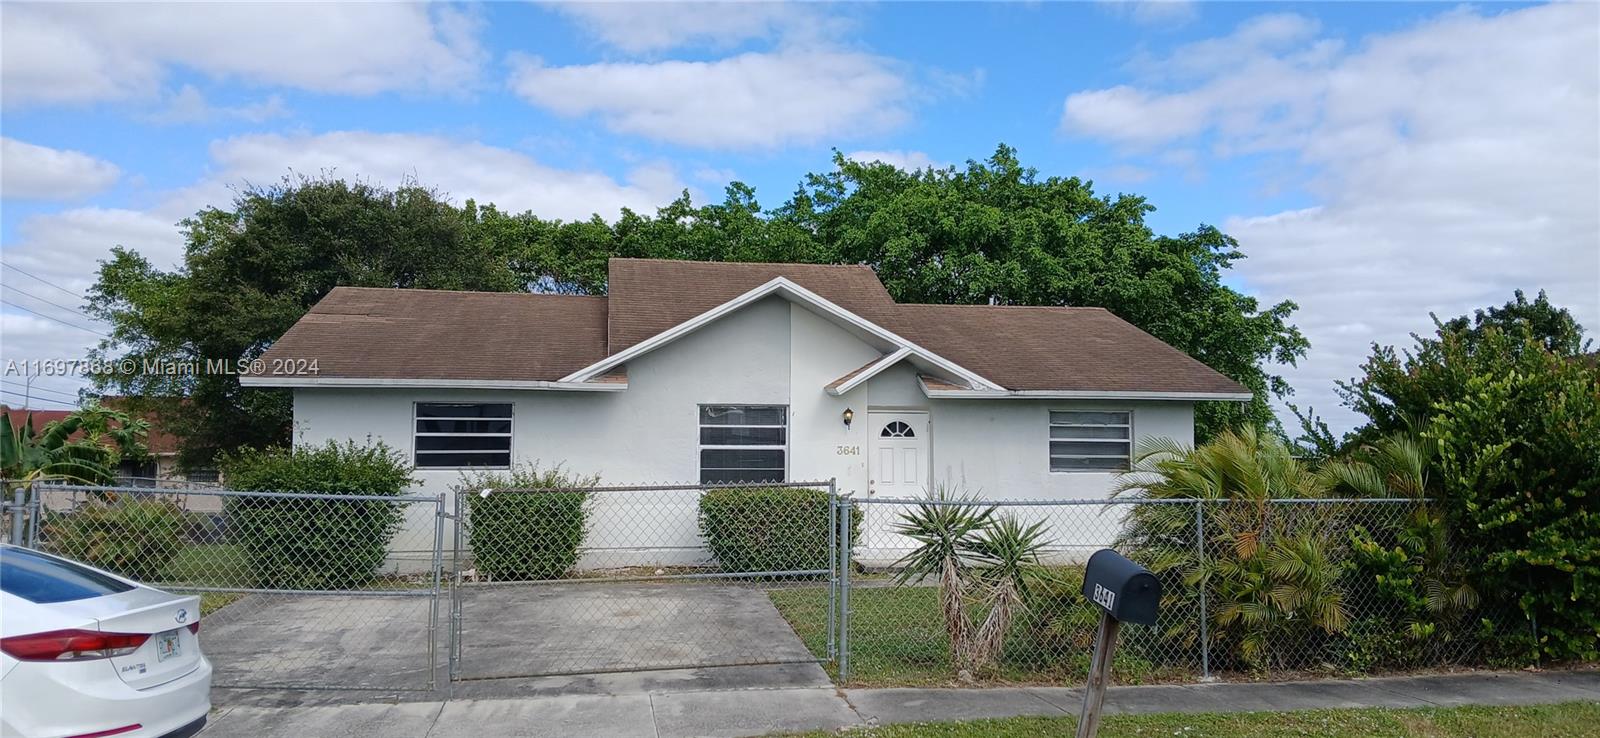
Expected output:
(208, 565)
(211, 602)
(897, 638)
(1569, 720)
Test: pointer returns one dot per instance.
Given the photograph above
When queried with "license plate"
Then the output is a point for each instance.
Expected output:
(167, 645)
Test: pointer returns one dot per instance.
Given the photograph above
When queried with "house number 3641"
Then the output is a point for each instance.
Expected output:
(847, 450)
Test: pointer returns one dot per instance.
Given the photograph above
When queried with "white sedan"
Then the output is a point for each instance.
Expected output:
(88, 654)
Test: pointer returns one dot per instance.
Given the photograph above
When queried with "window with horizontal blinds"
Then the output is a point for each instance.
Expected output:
(743, 443)
(1091, 441)
(462, 434)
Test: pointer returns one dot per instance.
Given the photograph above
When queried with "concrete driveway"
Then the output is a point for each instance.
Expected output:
(585, 628)
(517, 640)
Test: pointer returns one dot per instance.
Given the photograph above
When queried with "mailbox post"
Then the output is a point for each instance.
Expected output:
(1124, 592)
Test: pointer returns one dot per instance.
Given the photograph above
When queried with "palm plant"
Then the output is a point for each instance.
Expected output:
(1411, 559)
(1006, 561)
(1270, 567)
(944, 534)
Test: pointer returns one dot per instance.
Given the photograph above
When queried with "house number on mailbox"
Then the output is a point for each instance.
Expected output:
(847, 450)
(1104, 597)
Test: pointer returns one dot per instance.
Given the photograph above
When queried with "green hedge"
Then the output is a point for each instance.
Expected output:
(761, 529)
(525, 535)
(132, 537)
(305, 543)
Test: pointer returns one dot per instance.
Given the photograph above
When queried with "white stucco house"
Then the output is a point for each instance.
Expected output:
(725, 372)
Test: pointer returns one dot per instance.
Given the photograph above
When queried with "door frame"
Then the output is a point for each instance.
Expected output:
(872, 441)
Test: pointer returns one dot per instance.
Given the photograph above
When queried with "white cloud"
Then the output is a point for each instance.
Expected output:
(642, 27)
(908, 160)
(753, 100)
(82, 53)
(29, 171)
(64, 247)
(1454, 162)
(1251, 89)
(189, 105)
(510, 179)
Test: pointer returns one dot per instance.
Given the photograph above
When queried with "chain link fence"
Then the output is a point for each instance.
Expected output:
(311, 591)
(597, 579)
(1272, 588)
(298, 590)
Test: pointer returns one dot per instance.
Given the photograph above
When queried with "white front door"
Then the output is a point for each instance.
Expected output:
(898, 466)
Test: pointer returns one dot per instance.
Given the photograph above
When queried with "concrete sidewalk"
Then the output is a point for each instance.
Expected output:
(757, 712)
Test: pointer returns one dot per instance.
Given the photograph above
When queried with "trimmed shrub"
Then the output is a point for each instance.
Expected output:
(760, 529)
(525, 535)
(132, 537)
(306, 543)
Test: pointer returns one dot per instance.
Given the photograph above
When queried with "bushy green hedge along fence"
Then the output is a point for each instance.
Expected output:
(530, 534)
(763, 529)
(134, 537)
(309, 543)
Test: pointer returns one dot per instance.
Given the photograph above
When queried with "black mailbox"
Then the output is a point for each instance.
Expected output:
(1125, 590)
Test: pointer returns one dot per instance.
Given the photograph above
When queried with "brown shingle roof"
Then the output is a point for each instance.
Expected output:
(649, 296)
(362, 332)
(1054, 348)
(422, 334)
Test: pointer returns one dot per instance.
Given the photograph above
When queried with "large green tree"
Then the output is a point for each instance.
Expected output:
(1508, 402)
(1399, 391)
(994, 232)
(249, 272)
(998, 233)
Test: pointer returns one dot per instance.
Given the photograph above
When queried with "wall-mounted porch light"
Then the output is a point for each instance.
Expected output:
(848, 416)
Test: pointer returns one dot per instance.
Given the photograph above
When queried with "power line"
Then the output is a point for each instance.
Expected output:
(42, 279)
(37, 399)
(52, 304)
(47, 317)
(41, 389)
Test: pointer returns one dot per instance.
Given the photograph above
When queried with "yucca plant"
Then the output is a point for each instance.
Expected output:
(944, 534)
(1005, 555)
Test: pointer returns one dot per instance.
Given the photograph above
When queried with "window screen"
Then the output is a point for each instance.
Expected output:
(1097, 441)
(451, 434)
(743, 443)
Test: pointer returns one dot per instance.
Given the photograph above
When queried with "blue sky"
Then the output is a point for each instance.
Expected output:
(1377, 161)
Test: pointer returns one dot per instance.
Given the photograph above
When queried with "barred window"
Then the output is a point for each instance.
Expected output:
(743, 443)
(457, 434)
(1097, 441)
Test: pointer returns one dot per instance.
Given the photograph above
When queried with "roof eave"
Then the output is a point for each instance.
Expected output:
(942, 394)
(427, 383)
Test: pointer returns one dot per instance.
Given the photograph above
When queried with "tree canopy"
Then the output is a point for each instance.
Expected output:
(993, 232)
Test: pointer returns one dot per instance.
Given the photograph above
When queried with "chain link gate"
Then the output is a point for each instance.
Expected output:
(297, 590)
(607, 579)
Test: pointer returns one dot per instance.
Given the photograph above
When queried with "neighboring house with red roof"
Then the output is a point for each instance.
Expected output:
(160, 469)
(736, 372)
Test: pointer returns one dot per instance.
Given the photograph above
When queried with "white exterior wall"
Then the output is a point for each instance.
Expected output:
(773, 352)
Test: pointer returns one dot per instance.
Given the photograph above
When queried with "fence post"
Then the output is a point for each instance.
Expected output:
(1200, 560)
(456, 522)
(833, 563)
(433, 604)
(846, 514)
(18, 509)
(35, 514)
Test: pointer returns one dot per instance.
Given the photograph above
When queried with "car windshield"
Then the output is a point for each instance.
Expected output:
(44, 579)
